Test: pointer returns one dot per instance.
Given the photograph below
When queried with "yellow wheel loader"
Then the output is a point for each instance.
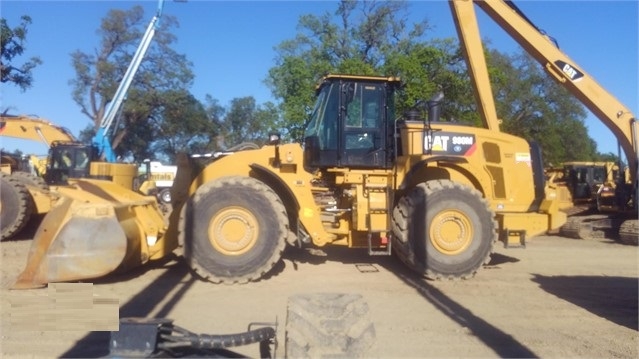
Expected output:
(438, 194)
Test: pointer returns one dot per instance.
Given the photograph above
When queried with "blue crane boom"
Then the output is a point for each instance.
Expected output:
(101, 139)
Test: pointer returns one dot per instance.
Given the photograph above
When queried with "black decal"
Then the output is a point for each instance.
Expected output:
(569, 71)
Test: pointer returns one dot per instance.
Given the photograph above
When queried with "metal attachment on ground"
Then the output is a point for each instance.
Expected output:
(147, 337)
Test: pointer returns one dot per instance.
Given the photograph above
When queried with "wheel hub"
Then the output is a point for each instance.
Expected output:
(233, 231)
(451, 232)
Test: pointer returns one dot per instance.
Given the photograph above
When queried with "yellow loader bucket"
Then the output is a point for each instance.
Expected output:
(97, 227)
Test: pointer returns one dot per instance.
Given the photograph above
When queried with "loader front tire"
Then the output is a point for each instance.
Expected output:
(16, 205)
(236, 229)
(444, 230)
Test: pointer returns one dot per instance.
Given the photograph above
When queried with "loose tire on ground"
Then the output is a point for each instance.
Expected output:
(334, 325)
(235, 230)
(444, 230)
(16, 206)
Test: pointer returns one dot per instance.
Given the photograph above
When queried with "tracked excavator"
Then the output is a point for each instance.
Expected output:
(26, 194)
(439, 195)
(621, 198)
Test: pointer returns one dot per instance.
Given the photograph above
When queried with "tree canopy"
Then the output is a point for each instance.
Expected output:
(374, 38)
(13, 44)
(162, 117)
(163, 76)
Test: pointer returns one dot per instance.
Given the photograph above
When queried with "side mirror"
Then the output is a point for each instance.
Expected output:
(274, 138)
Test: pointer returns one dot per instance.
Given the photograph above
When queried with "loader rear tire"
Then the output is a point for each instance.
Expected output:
(444, 230)
(236, 230)
(331, 325)
(16, 206)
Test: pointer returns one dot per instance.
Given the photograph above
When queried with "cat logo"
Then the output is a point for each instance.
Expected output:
(569, 71)
(449, 143)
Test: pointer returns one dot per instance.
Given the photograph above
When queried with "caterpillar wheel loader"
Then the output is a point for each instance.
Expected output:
(438, 194)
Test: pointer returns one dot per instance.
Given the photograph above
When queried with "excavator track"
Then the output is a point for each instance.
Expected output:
(629, 232)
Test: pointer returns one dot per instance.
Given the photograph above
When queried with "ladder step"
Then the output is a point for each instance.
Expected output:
(384, 251)
(520, 234)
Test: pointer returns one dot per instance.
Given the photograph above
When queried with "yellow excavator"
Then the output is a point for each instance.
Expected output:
(439, 195)
(24, 193)
(622, 197)
(69, 160)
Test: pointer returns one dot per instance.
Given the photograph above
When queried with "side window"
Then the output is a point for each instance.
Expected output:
(364, 132)
(331, 115)
(81, 159)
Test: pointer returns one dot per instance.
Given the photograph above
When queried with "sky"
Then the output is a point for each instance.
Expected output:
(231, 45)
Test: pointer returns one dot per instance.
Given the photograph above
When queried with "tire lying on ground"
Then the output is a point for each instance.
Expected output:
(335, 325)
(16, 207)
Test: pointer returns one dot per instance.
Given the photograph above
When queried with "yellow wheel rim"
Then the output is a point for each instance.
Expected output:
(451, 232)
(233, 231)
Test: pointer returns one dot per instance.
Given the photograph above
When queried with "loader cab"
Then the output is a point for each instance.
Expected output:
(352, 123)
(68, 161)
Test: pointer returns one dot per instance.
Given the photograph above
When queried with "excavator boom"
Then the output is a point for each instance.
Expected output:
(29, 128)
(617, 117)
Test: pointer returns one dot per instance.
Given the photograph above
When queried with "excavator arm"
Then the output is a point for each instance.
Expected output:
(34, 129)
(617, 117)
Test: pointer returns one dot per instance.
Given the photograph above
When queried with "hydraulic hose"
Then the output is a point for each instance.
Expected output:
(180, 337)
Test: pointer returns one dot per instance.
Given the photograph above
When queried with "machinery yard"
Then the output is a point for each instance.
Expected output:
(376, 234)
(558, 297)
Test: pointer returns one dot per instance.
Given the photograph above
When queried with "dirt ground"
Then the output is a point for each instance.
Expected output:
(558, 297)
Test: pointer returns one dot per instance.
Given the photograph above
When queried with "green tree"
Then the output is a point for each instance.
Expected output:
(356, 39)
(163, 72)
(173, 134)
(245, 121)
(372, 38)
(535, 107)
(13, 45)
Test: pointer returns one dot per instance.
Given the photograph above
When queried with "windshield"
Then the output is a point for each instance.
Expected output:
(311, 127)
(323, 123)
